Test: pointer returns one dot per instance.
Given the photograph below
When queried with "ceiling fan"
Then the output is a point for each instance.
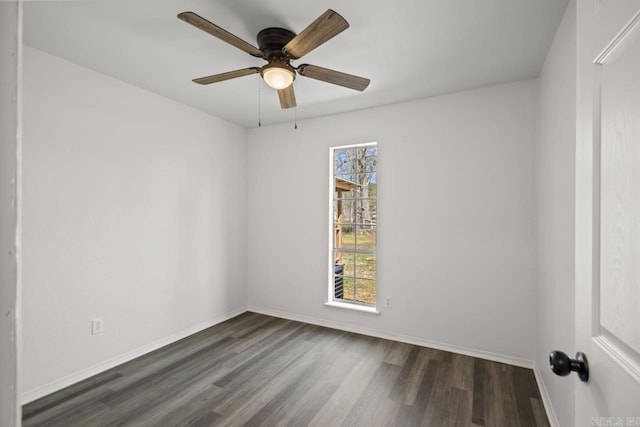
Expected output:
(279, 47)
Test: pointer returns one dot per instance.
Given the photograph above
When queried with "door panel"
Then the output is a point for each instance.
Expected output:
(608, 211)
(619, 286)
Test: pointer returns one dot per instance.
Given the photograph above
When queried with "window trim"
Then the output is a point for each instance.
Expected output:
(371, 309)
(331, 301)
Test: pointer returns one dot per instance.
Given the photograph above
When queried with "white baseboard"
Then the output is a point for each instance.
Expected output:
(481, 354)
(546, 399)
(38, 392)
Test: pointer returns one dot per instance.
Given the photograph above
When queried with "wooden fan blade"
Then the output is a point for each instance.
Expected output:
(327, 26)
(335, 77)
(226, 76)
(287, 97)
(224, 35)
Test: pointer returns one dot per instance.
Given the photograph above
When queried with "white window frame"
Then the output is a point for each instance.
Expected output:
(331, 301)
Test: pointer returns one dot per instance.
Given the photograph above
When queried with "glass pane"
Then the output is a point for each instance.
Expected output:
(347, 260)
(346, 227)
(343, 211)
(365, 265)
(338, 234)
(371, 152)
(365, 214)
(365, 159)
(364, 179)
(344, 195)
(345, 183)
(338, 258)
(357, 159)
(348, 289)
(366, 240)
(343, 161)
(348, 237)
(366, 291)
(349, 210)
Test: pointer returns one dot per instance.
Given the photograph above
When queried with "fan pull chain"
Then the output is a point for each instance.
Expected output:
(259, 105)
(295, 118)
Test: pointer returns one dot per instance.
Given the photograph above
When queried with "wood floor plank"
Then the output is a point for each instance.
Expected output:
(90, 412)
(462, 372)
(493, 403)
(283, 387)
(242, 391)
(539, 414)
(77, 393)
(290, 396)
(307, 405)
(374, 395)
(416, 375)
(508, 396)
(398, 353)
(439, 398)
(479, 374)
(416, 414)
(162, 389)
(261, 370)
(354, 384)
(522, 379)
(457, 412)
(191, 407)
(399, 390)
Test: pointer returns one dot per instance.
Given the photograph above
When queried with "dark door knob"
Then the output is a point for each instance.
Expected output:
(563, 366)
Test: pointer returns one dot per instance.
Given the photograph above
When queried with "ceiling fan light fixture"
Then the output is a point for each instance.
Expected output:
(278, 76)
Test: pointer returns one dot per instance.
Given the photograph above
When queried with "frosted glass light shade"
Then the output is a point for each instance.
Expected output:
(278, 78)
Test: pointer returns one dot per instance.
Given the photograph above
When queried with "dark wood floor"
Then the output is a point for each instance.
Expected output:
(261, 370)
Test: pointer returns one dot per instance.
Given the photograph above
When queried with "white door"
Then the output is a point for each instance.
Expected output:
(608, 212)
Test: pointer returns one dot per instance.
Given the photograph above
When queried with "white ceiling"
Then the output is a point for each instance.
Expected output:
(408, 48)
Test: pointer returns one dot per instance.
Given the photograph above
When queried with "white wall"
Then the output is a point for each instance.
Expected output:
(134, 211)
(555, 172)
(455, 214)
(10, 53)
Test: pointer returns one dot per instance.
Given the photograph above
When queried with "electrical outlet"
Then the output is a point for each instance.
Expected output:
(387, 302)
(96, 326)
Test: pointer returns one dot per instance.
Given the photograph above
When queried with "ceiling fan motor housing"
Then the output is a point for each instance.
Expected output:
(272, 40)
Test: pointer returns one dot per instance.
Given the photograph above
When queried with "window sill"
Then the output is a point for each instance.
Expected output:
(352, 307)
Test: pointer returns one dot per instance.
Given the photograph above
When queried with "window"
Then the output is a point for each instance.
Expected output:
(354, 185)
